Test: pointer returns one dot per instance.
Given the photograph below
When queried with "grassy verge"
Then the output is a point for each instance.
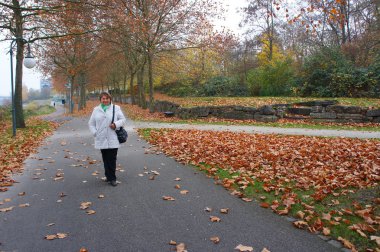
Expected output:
(260, 101)
(26, 141)
(335, 207)
(330, 208)
(33, 109)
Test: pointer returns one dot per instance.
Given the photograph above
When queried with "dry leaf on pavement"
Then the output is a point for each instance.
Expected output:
(224, 210)
(243, 248)
(214, 219)
(208, 209)
(56, 236)
(89, 212)
(51, 237)
(181, 247)
(168, 198)
(172, 242)
(7, 209)
(85, 205)
(247, 199)
(215, 239)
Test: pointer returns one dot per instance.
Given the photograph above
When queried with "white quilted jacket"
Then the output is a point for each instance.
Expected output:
(105, 137)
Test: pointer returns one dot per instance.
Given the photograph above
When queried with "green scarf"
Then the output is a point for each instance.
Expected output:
(104, 107)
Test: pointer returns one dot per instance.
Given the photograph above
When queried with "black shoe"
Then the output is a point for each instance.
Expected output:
(113, 183)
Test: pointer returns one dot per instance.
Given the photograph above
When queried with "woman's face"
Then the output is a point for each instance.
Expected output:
(105, 100)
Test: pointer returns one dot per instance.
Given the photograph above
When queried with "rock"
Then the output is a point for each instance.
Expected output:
(317, 103)
(267, 110)
(350, 116)
(265, 118)
(317, 109)
(220, 110)
(325, 115)
(184, 113)
(346, 109)
(299, 111)
(280, 113)
(373, 112)
(251, 110)
(238, 115)
(376, 119)
(162, 106)
(200, 111)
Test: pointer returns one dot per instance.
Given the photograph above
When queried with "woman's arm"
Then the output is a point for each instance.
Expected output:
(120, 117)
(92, 123)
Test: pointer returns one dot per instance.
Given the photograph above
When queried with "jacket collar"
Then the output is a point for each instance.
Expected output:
(99, 107)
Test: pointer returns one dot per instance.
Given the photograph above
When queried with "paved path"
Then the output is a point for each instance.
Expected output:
(132, 216)
(263, 129)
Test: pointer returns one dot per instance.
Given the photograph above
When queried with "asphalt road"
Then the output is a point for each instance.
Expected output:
(132, 216)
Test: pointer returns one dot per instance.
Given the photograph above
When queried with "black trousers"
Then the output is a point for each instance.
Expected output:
(109, 160)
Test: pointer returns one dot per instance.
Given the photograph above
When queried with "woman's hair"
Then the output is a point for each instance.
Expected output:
(105, 94)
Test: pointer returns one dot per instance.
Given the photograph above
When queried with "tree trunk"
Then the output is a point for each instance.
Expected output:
(71, 102)
(83, 92)
(124, 86)
(141, 89)
(20, 122)
(131, 88)
(150, 76)
(271, 33)
(19, 30)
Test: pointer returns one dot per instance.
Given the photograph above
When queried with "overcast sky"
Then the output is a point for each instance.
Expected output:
(32, 77)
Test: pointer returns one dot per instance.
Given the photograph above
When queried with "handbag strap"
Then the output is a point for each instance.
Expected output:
(113, 113)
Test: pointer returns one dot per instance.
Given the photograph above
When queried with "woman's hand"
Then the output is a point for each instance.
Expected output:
(113, 126)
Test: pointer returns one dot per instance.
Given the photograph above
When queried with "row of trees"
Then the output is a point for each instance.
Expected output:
(325, 48)
(316, 47)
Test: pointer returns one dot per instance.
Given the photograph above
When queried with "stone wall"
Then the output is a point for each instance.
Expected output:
(315, 110)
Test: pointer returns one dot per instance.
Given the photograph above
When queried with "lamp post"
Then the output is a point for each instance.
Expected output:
(29, 62)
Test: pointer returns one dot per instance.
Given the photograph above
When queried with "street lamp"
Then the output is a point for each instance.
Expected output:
(29, 62)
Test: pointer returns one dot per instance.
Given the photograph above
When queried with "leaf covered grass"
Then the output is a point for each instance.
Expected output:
(330, 185)
(136, 113)
(14, 151)
(260, 101)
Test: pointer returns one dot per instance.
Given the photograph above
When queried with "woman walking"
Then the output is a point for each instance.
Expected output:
(103, 129)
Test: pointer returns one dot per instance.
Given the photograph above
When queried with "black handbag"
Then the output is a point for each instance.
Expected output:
(122, 134)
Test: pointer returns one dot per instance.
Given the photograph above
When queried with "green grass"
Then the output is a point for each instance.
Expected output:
(146, 133)
(33, 109)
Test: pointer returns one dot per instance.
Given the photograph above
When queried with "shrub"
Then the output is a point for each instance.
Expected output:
(223, 86)
(178, 88)
(328, 73)
(272, 80)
